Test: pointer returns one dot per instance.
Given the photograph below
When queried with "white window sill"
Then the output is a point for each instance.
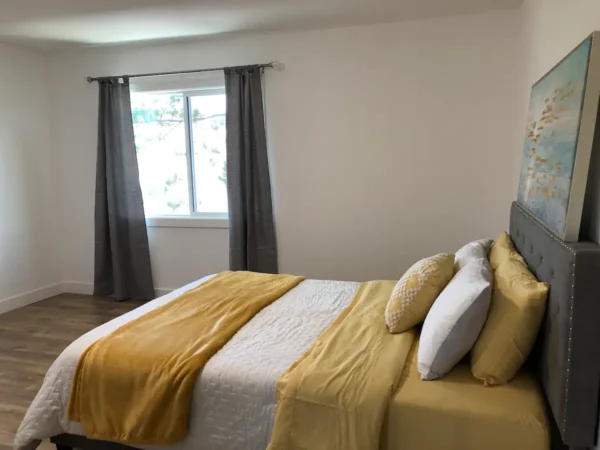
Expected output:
(186, 222)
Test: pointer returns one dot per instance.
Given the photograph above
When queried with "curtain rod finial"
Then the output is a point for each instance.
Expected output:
(89, 79)
(276, 65)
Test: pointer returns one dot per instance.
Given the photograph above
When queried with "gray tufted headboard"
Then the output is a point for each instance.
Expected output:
(567, 354)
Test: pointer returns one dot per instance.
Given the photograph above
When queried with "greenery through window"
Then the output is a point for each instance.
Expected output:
(180, 143)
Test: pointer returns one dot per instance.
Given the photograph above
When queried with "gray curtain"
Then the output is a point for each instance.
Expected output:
(252, 242)
(122, 256)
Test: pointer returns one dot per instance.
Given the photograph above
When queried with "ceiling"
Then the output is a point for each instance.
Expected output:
(59, 23)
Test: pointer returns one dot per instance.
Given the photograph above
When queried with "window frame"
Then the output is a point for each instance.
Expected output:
(186, 222)
(189, 143)
(195, 219)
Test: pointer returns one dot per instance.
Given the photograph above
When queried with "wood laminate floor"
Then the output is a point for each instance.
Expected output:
(30, 340)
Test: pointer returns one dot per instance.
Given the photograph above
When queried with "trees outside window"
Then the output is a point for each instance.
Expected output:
(180, 143)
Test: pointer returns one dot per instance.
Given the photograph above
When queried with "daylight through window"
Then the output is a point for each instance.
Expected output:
(180, 144)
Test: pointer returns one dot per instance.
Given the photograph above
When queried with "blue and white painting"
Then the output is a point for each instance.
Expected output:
(551, 143)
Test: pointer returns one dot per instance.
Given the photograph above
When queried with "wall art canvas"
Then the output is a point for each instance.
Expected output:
(560, 132)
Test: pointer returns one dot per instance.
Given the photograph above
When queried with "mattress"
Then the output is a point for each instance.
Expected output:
(234, 397)
(457, 412)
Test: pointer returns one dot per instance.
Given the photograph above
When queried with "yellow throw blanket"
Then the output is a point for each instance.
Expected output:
(335, 397)
(135, 385)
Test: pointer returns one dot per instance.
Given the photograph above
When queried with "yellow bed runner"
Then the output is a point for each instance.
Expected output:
(336, 396)
(135, 385)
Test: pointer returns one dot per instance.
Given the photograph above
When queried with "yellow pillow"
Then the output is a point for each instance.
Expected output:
(503, 249)
(514, 318)
(416, 291)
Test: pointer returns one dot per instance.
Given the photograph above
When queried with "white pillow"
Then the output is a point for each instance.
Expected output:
(455, 320)
(472, 251)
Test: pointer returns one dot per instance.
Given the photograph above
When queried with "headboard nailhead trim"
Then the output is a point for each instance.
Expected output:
(571, 312)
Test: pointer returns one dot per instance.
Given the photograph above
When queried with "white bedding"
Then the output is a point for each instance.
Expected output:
(234, 397)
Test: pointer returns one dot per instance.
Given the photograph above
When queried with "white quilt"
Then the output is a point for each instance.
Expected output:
(234, 397)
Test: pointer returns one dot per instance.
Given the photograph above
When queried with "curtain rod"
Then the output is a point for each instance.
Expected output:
(270, 65)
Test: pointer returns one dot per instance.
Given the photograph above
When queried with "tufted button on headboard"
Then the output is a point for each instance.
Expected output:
(566, 356)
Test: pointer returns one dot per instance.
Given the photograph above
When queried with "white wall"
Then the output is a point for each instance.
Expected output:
(552, 28)
(28, 258)
(388, 143)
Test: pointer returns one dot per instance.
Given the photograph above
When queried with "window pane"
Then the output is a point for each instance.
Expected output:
(161, 152)
(210, 160)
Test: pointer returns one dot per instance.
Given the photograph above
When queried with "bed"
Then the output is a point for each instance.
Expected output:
(234, 398)
(460, 413)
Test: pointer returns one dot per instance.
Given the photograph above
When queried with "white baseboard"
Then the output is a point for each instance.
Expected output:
(66, 287)
(17, 301)
(77, 287)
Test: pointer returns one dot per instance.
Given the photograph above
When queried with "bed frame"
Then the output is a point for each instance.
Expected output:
(565, 357)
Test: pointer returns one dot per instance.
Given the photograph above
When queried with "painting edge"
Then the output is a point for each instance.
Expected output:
(585, 141)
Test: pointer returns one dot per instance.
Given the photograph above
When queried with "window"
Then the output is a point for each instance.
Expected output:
(180, 144)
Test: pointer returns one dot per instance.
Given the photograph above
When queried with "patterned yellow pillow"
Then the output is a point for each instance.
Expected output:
(416, 291)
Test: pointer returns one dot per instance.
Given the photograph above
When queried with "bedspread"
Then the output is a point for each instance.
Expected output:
(234, 397)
